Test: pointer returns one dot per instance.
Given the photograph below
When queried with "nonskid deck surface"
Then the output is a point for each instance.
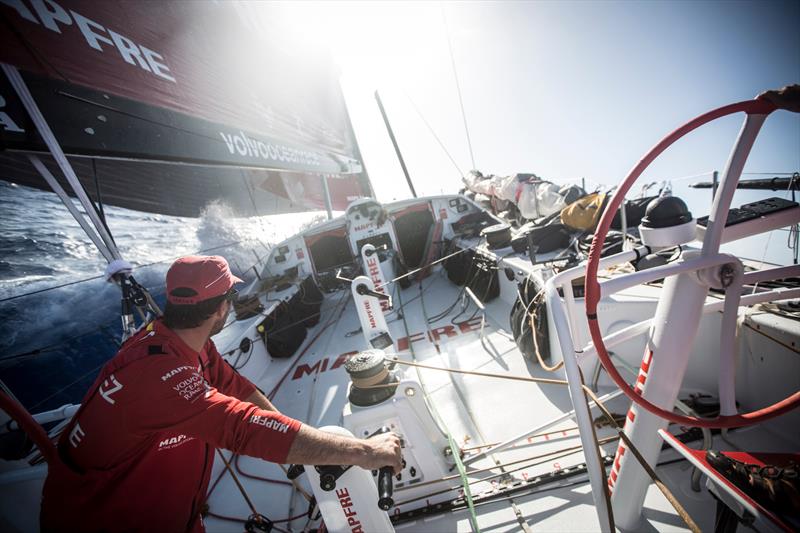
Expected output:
(475, 410)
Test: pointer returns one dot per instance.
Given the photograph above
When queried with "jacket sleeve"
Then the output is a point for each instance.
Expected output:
(225, 378)
(174, 396)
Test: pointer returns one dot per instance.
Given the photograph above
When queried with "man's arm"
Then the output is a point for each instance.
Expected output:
(261, 401)
(229, 382)
(314, 447)
(187, 404)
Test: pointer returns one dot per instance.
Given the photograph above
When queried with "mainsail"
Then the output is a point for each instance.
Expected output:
(168, 113)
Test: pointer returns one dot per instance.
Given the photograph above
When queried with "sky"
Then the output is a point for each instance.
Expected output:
(567, 90)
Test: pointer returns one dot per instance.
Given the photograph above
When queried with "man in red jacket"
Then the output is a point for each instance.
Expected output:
(138, 454)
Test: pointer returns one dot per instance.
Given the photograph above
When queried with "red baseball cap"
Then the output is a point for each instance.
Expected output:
(196, 278)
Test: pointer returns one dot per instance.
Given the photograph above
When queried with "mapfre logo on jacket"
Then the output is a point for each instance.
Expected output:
(173, 442)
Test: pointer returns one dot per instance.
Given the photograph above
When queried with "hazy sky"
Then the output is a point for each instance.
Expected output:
(563, 89)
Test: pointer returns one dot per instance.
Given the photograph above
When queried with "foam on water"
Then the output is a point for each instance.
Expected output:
(42, 246)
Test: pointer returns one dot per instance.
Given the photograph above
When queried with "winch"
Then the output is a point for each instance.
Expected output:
(372, 380)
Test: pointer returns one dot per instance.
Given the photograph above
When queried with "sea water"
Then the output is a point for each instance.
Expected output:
(54, 342)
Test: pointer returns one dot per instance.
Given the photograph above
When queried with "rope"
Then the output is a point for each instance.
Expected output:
(238, 483)
(556, 454)
(539, 357)
(343, 302)
(546, 381)
(244, 521)
(650, 472)
(535, 435)
(473, 519)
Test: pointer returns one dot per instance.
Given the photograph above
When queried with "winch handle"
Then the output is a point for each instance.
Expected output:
(759, 106)
(385, 488)
(385, 485)
(340, 277)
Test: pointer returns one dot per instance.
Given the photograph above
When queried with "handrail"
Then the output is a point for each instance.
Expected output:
(30, 426)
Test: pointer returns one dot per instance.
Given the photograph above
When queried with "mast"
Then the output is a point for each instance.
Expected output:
(394, 143)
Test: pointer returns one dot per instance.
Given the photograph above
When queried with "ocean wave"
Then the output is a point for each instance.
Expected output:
(39, 257)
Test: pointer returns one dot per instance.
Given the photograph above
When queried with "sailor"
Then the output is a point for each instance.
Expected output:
(138, 454)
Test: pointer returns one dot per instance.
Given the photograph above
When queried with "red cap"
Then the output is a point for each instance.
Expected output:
(198, 277)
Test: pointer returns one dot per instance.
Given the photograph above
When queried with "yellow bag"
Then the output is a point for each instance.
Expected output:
(584, 213)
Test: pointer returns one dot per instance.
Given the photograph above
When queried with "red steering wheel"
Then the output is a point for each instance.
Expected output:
(750, 107)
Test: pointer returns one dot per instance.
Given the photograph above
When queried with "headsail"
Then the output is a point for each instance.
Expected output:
(202, 102)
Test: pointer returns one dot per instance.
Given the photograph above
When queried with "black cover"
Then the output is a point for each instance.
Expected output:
(634, 212)
(521, 323)
(304, 306)
(548, 238)
(458, 266)
(412, 230)
(483, 279)
(282, 335)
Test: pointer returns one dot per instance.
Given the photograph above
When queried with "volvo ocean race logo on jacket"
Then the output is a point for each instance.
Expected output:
(191, 387)
(188, 387)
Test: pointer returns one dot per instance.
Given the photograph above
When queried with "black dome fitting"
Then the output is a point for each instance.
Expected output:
(665, 212)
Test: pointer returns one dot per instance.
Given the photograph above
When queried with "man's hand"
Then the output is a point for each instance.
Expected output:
(787, 98)
(314, 447)
(385, 451)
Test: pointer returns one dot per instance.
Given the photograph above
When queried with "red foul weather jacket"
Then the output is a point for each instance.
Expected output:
(137, 456)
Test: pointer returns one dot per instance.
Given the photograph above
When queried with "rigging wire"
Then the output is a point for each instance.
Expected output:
(458, 85)
(98, 207)
(53, 347)
(430, 129)
(59, 391)
(398, 278)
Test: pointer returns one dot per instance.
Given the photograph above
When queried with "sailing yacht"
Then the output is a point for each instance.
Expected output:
(651, 385)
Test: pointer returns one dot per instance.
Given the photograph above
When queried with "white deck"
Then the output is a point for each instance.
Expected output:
(476, 410)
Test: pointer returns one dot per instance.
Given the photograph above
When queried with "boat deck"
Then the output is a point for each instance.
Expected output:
(552, 492)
